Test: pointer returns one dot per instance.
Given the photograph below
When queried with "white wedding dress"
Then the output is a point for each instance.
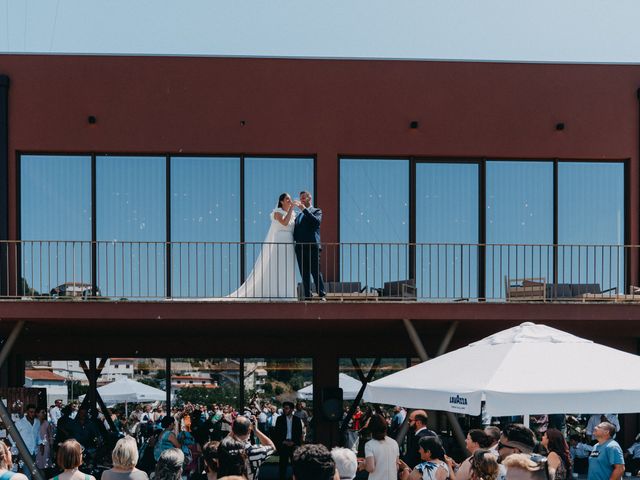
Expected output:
(274, 273)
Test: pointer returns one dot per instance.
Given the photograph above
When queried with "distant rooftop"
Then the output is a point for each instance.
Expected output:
(42, 374)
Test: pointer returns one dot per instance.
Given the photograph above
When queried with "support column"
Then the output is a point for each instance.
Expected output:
(93, 386)
(325, 375)
(422, 353)
(10, 364)
(4, 412)
(365, 380)
(167, 384)
(4, 184)
(15, 365)
(93, 397)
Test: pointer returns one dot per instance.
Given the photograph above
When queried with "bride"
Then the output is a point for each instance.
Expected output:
(274, 272)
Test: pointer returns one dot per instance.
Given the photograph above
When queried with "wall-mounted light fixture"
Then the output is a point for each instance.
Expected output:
(92, 119)
(560, 126)
(414, 124)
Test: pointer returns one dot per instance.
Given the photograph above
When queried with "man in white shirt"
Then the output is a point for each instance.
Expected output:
(596, 419)
(56, 412)
(273, 419)
(287, 436)
(29, 428)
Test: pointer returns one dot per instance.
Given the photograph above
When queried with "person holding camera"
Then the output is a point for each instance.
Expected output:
(256, 454)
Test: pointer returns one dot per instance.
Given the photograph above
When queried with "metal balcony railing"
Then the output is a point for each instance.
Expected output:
(216, 271)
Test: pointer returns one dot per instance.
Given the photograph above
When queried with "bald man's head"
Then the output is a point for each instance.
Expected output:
(418, 419)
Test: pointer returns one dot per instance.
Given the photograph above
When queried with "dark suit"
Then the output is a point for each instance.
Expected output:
(306, 234)
(412, 458)
(285, 452)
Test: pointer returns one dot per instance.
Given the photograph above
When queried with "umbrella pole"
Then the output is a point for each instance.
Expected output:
(422, 353)
(126, 411)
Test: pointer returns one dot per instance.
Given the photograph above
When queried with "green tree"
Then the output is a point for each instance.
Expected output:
(152, 382)
(25, 289)
(296, 382)
(207, 396)
(75, 389)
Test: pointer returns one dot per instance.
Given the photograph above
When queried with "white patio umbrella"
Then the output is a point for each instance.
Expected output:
(519, 371)
(125, 390)
(349, 385)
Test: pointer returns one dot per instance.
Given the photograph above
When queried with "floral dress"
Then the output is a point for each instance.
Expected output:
(429, 469)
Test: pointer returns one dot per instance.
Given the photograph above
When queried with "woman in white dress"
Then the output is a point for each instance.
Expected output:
(274, 273)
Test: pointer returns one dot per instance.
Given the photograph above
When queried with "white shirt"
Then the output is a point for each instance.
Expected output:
(634, 450)
(289, 419)
(581, 450)
(402, 414)
(274, 418)
(385, 454)
(594, 421)
(55, 415)
(30, 433)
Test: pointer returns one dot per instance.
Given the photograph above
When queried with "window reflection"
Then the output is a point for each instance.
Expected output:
(591, 212)
(205, 207)
(131, 207)
(447, 212)
(55, 199)
(519, 213)
(374, 208)
(265, 178)
(55, 196)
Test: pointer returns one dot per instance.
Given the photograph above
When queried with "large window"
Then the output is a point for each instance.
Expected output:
(591, 212)
(561, 222)
(447, 230)
(205, 225)
(55, 217)
(519, 215)
(529, 208)
(265, 178)
(374, 208)
(131, 208)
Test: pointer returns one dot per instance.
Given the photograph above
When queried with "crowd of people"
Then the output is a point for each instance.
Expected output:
(513, 452)
(201, 442)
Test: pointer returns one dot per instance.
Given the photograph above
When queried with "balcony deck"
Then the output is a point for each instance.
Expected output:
(121, 298)
(299, 328)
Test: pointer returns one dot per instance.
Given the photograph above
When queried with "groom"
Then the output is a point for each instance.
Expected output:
(306, 234)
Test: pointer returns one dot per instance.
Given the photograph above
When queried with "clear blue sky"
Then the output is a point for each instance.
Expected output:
(543, 30)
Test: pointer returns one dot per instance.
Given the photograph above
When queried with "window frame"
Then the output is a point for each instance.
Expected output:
(482, 200)
(168, 156)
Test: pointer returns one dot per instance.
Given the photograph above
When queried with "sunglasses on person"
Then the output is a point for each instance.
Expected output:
(504, 445)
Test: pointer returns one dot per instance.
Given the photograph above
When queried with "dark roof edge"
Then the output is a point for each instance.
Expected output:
(294, 57)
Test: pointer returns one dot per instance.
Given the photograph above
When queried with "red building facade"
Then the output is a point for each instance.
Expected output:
(326, 110)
